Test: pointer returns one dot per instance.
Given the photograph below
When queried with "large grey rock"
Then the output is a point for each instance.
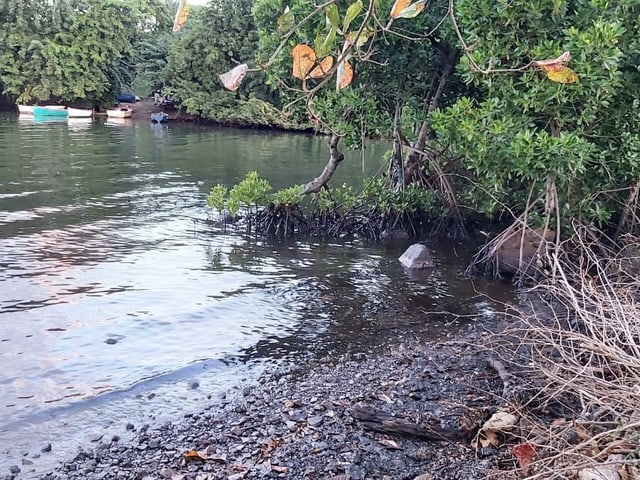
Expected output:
(417, 256)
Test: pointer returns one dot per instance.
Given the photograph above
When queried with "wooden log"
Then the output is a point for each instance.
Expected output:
(381, 421)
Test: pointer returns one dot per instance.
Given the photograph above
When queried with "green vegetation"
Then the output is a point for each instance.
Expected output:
(370, 212)
(75, 50)
(482, 118)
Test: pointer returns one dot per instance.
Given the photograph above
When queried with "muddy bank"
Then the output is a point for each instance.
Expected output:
(305, 422)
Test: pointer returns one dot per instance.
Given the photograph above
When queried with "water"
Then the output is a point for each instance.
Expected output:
(116, 302)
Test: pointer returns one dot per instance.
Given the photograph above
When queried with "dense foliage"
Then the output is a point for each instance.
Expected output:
(573, 145)
(71, 50)
(474, 119)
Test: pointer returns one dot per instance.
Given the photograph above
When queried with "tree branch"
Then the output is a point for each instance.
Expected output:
(335, 157)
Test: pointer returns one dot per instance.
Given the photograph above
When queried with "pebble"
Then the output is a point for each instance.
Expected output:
(301, 423)
(46, 448)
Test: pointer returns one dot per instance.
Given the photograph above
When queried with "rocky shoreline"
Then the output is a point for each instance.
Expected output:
(300, 423)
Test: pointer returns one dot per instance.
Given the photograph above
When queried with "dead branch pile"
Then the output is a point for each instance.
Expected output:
(583, 422)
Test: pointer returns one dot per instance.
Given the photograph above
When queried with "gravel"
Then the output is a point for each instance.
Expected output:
(298, 423)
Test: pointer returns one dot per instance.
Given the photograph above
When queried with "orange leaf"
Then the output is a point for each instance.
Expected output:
(345, 75)
(304, 58)
(398, 6)
(406, 9)
(526, 454)
(322, 68)
(562, 75)
(193, 455)
(233, 78)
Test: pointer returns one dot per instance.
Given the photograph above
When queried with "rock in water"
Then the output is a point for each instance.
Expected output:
(417, 256)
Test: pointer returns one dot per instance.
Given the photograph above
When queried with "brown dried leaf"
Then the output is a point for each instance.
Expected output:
(554, 62)
(279, 469)
(322, 68)
(304, 58)
(391, 444)
(501, 421)
(233, 78)
(345, 75)
(424, 476)
(195, 455)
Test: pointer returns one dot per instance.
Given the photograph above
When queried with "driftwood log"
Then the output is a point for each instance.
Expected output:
(335, 157)
(381, 421)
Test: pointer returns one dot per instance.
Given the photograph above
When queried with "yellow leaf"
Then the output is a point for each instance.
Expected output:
(322, 68)
(398, 6)
(562, 75)
(345, 75)
(181, 16)
(304, 58)
(406, 9)
(233, 78)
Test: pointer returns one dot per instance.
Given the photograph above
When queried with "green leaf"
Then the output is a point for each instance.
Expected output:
(362, 39)
(286, 21)
(332, 17)
(352, 12)
(324, 43)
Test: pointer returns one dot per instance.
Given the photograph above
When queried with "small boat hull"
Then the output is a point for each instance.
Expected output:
(119, 121)
(123, 112)
(79, 112)
(54, 111)
(25, 109)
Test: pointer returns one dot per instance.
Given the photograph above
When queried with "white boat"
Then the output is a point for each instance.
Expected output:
(127, 122)
(122, 112)
(79, 123)
(25, 109)
(80, 112)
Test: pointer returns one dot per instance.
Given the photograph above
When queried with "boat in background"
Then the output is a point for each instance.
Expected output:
(159, 117)
(50, 111)
(79, 112)
(121, 112)
(119, 121)
(25, 109)
(79, 123)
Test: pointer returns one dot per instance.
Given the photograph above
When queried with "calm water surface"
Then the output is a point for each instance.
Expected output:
(116, 300)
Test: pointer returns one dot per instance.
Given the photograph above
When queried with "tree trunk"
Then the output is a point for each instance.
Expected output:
(335, 157)
(418, 145)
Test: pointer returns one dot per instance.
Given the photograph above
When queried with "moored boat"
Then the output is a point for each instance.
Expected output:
(25, 109)
(122, 112)
(127, 122)
(79, 112)
(159, 117)
(50, 111)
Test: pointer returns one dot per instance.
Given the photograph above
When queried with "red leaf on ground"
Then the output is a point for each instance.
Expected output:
(526, 454)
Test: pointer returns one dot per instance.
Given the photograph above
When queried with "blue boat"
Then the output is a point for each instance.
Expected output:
(160, 117)
(50, 111)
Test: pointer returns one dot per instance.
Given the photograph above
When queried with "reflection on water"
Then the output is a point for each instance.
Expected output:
(114, 295)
